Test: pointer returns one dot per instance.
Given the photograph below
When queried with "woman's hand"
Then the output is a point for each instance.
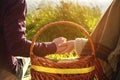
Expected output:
(68, 46)
(58, 42)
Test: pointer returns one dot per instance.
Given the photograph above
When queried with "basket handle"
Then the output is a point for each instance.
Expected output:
(69, 23)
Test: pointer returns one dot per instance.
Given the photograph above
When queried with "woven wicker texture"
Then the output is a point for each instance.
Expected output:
(77, 63)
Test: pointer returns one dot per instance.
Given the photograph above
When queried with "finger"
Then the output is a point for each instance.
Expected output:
(63, 44)
(60, 49)
(59, 40)
(63, 40)
(67, 50)
(70, 49)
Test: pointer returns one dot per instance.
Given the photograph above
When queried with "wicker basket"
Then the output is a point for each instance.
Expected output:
(83, 68)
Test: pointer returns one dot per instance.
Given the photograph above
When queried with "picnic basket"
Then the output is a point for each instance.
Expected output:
(83, 68)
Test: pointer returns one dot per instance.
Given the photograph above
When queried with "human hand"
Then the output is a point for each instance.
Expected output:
(69, 46)
(58, 42)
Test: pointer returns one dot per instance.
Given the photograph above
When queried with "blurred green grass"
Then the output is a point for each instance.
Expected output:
(66, 11)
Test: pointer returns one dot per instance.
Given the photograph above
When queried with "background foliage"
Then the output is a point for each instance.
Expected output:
(65, 11)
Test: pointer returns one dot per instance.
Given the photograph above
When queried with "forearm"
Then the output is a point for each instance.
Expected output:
(22, 48)
(44, 48)
(79, 44)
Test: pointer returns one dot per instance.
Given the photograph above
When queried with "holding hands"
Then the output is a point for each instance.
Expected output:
(64, 46)
(58, 42)
(69, 46)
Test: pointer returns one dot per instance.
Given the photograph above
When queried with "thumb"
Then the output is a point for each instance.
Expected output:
(63, 44)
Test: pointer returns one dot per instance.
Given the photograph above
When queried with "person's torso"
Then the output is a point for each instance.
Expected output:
(6, 60)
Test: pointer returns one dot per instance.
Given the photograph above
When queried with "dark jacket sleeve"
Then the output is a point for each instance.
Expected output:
(14, 32)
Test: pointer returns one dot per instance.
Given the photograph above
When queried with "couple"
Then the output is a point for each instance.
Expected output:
(106, 38)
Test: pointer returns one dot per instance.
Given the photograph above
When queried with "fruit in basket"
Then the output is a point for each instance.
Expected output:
(62, 57)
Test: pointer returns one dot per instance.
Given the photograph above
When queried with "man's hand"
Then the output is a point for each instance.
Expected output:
(69, 46)
(58, 42)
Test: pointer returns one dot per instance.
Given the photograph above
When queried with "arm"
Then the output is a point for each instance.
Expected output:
(114, 57)
(14, 32)
(79, 44)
